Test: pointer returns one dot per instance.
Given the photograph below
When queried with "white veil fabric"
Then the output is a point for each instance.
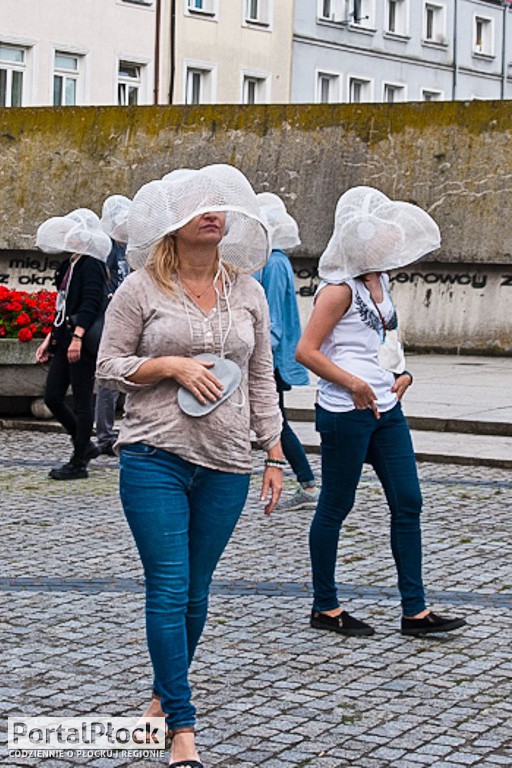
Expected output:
(163, 206)
(375, 234)
(284, 230)
(77, 232)
(114, 217)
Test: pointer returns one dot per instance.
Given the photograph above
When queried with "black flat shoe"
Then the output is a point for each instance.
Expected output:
(432, 622)
(186, 764)
(344, 624)
(72, 470)
(92, 452)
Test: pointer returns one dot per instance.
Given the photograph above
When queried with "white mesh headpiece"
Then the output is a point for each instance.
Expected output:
(284, 231)
(85, 217)
(161, 207)
(375, 234)
(114, 217)
(77, 232)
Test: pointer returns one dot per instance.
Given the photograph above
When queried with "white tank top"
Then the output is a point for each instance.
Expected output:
(353, 345)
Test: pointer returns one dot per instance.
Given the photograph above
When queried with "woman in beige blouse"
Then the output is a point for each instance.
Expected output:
(185, 475)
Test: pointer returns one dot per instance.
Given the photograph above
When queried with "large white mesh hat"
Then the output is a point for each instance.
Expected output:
(77, 232)
(114, 217)
(375, 234)
(163, 206)
(284, 231)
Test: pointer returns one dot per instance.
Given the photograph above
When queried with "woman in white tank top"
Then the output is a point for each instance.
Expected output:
(358, 413)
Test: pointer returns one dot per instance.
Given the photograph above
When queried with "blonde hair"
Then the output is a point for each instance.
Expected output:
(163, 264)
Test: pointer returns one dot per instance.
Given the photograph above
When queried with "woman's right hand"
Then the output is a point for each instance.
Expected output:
(42, 353)
(195, 376)
(363, 395)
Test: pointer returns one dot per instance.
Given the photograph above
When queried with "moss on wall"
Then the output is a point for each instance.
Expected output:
(452, 158)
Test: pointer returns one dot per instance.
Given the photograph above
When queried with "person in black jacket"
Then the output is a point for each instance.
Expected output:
(81, 280)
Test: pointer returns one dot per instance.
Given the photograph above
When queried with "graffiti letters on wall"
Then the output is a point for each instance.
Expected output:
(307, 278)
(28, 271)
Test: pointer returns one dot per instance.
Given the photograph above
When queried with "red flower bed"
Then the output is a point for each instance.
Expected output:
(25, 315)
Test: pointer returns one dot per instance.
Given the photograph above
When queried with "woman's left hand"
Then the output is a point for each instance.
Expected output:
(402, 383)
(273, 483)
(74, 350)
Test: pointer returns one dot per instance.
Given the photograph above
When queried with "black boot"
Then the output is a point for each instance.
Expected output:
(92, 452)
(74, 469)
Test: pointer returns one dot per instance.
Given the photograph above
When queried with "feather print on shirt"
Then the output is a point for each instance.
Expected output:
(372, 320)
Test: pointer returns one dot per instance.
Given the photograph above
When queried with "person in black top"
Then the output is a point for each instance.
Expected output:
(81, 280)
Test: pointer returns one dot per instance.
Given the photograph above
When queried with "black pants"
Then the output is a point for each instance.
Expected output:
(78, 422)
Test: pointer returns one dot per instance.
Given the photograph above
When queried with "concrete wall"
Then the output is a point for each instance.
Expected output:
(453, 159)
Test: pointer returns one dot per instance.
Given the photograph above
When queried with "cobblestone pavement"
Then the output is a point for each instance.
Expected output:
(269, 690)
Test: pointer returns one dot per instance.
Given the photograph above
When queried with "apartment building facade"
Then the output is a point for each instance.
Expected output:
(67, 52)
(231, 51)
(401, 50)
(129, 52)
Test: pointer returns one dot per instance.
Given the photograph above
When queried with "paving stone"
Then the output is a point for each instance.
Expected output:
(271, 692)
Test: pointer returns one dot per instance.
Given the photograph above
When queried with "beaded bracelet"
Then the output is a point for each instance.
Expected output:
(277, 463)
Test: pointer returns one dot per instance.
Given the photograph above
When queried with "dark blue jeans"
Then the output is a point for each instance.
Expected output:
(293, 449)
(181, 516)
(348, 440)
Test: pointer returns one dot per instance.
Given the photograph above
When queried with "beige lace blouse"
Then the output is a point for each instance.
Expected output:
(142, 323)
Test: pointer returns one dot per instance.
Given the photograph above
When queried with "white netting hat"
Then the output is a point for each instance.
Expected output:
(375, 234)
(85, 217)
(161, 207)
(77, 232)
(284, 231)
(114, 217)
(179, 174)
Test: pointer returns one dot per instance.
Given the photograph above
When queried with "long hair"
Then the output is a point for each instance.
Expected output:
(163, 265)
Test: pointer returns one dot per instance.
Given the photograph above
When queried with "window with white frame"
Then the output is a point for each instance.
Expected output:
(198, 85)
(430, 94)
(396, 17)
(254, 89)
(12, 71)
(434, 25)
(362, 13)
(129, 83)
(393, 92)
(257, 11)
(206, 7)
(483, 41)
(359, 90)
(65, 79)
(327, 87)
(332, 10)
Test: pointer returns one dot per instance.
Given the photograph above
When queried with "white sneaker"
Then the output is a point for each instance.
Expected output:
(303, 498)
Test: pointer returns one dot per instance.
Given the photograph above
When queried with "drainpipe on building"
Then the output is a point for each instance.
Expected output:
(172, 52)
(455, 62)
(157, 52)
(504, 64)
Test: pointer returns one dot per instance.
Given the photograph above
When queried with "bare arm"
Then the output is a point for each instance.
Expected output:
(331, 304)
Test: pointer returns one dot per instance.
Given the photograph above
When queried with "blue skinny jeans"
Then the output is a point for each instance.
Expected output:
(181, 516)
(293, 449)
(348, 440)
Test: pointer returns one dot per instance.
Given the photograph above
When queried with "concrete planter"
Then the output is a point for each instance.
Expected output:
(22, 380)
